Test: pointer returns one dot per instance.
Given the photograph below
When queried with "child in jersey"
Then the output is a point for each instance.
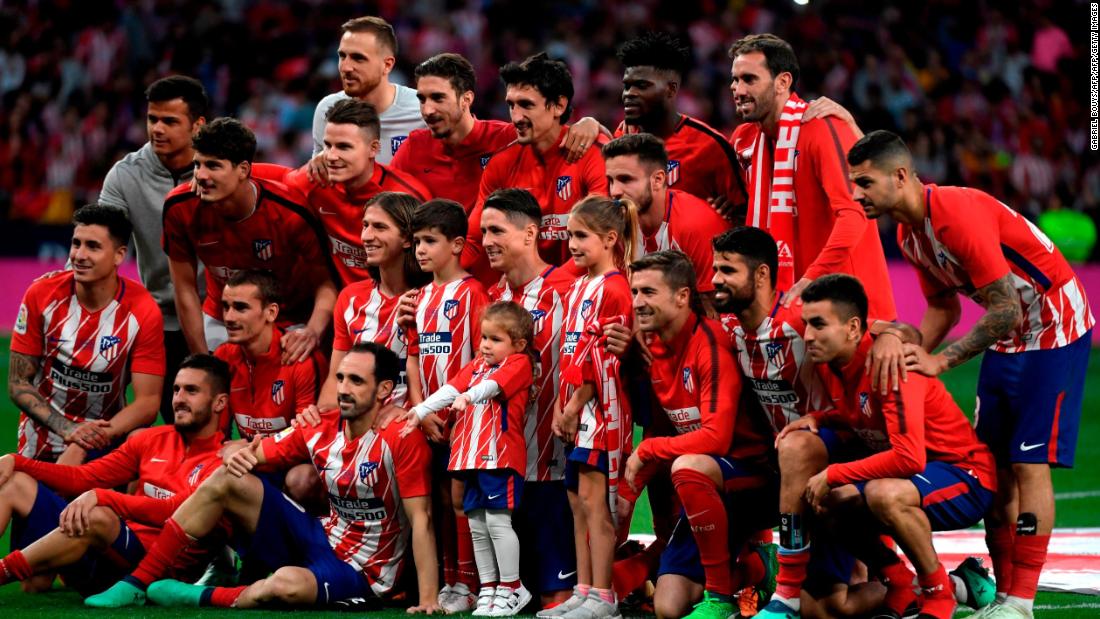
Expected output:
(447, 325)
(488, 398)
(594, 415)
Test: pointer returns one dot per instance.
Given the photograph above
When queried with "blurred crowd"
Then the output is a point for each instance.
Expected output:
(988, 94)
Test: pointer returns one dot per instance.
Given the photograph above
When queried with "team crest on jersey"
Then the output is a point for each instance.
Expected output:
(193, 476)
(773, 349)
(865, 403)
(278, 393)
(366, 468)
(673, 171)
(396, 142)
(109, 346)
(450, 309)
(689, 382)
(586, 309)
(538, 316)
(565, 187)
(485, 160)
(263, 248)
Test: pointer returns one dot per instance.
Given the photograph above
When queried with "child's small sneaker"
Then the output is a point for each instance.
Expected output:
(444, 595)
(594, 607)
(509, 601)
(573, 601)
(485, 599)
(461, 600)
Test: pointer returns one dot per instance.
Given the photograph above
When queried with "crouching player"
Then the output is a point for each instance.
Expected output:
(924, 468)
(99, 536)
(718, 454)
(378, 486)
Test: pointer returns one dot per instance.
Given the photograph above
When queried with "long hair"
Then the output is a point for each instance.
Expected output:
(603, 215)
(400, 208)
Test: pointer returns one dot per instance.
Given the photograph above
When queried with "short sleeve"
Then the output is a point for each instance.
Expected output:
(342, 339)
(514, 375)
(970, 233)
(26, 337)
(286, 447)
(176, 241)
(148, 356)
(412, 461)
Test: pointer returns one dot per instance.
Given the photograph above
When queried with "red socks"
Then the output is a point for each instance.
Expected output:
(792, 572)
(225, 597)
(14, 567)
(1029, 553)
(937, 595)
(467, 569)
(707, 516)
(170, 544)
(899, 586)
(999, 541)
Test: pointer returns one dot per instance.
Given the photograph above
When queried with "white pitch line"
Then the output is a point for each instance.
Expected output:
(1068, 496)
(1042, 607)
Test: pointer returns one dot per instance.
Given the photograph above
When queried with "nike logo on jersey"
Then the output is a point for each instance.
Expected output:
(208, 243)
(493, 497)
(324, 212)
(562, 576)
(157, 460)
(1026, 447)
(697, 514)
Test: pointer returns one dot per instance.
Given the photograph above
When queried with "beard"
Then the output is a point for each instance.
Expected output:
(734, 303)
(358, 407)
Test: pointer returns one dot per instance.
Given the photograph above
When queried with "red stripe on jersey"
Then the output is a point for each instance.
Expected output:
(364, 314)
(543, 297)
(689, 225)
(86, 357)
(448, 328)
(489, 435)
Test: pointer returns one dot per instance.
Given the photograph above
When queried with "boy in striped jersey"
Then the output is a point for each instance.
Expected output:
(1035, 334)
(447, 314)
(80, 336)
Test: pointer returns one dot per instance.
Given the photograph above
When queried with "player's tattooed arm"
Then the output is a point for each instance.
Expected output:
(25, 395)
(1002, 314)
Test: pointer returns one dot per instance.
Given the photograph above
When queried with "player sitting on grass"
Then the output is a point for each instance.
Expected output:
(489, 397)
(94, 539)
(377, 483)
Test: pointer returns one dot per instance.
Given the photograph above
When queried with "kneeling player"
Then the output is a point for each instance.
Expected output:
(378, 485)
(726, 453)
(94, 539)
(926, 469)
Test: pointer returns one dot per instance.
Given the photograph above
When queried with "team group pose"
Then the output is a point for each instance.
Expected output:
(413, 367)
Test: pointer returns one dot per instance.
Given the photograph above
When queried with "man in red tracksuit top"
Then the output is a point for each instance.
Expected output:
(914, 464)
(104, 533)
(797, 177)
(717, 451)
(539, 96)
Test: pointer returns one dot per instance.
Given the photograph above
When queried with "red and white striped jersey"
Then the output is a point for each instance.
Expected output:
(86, 357)
(589, 300)
(969, 239)
(689, 225)
(364, 314)
(772, 360)
(489, 435)
(366, 479)
(448, 329)
(544, 297)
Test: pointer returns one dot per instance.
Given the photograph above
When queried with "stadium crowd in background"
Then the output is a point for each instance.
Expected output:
(987, 96)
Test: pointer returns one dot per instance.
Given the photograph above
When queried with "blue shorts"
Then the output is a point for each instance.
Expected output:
(830, 564)
(595, 458)
(97, 569)
(1029, 403)
(544, 523)
(286, 535)
(842, 445)
(491, 489)
(751, 506)
(951, 497)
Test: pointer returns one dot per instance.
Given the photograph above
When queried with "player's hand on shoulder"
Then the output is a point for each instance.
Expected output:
(886, 362)
(316, 171)
(794, 295)
(298, 344)
(411, 423)
(434, 427)
(919, 360)
(580, 136)
(310, 417)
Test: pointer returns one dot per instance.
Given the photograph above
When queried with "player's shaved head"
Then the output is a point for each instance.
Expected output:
(216, 370)
(660, 50)
(885, 151)
(518, 205)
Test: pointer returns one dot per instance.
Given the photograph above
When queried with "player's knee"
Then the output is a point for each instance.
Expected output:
(302, 483)
(693, 462)
(285, 585)
(102, 522)
(1030, 474)
(670, 605)
(217, 486)
(885, 498)
(19, 493)
(798, 450)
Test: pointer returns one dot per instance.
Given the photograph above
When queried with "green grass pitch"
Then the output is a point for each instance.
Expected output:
(1079, 506)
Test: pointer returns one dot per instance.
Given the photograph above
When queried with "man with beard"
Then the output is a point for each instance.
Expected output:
(450, 155)
(231, 221)
(797, 181)
(378, 485)
(540, 99)
(138, 183)
(367, 51)
(636, 168)
(94, 539)
(700, 160)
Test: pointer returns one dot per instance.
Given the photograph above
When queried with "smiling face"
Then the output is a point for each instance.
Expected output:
(734, 283)
(503, 241)
(648, 94)
(357, 391)
(194, 401)
(364, 64)
(656, 304)
(753, 88)
(244, 313)
(348, 152)
(217, 179)
(433, 249)
(383, 240)
(94, 255)
(441, 107)
(170, 128)
(532, 115)
(588, 248)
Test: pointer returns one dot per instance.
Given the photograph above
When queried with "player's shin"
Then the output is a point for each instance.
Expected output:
(707, 516)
